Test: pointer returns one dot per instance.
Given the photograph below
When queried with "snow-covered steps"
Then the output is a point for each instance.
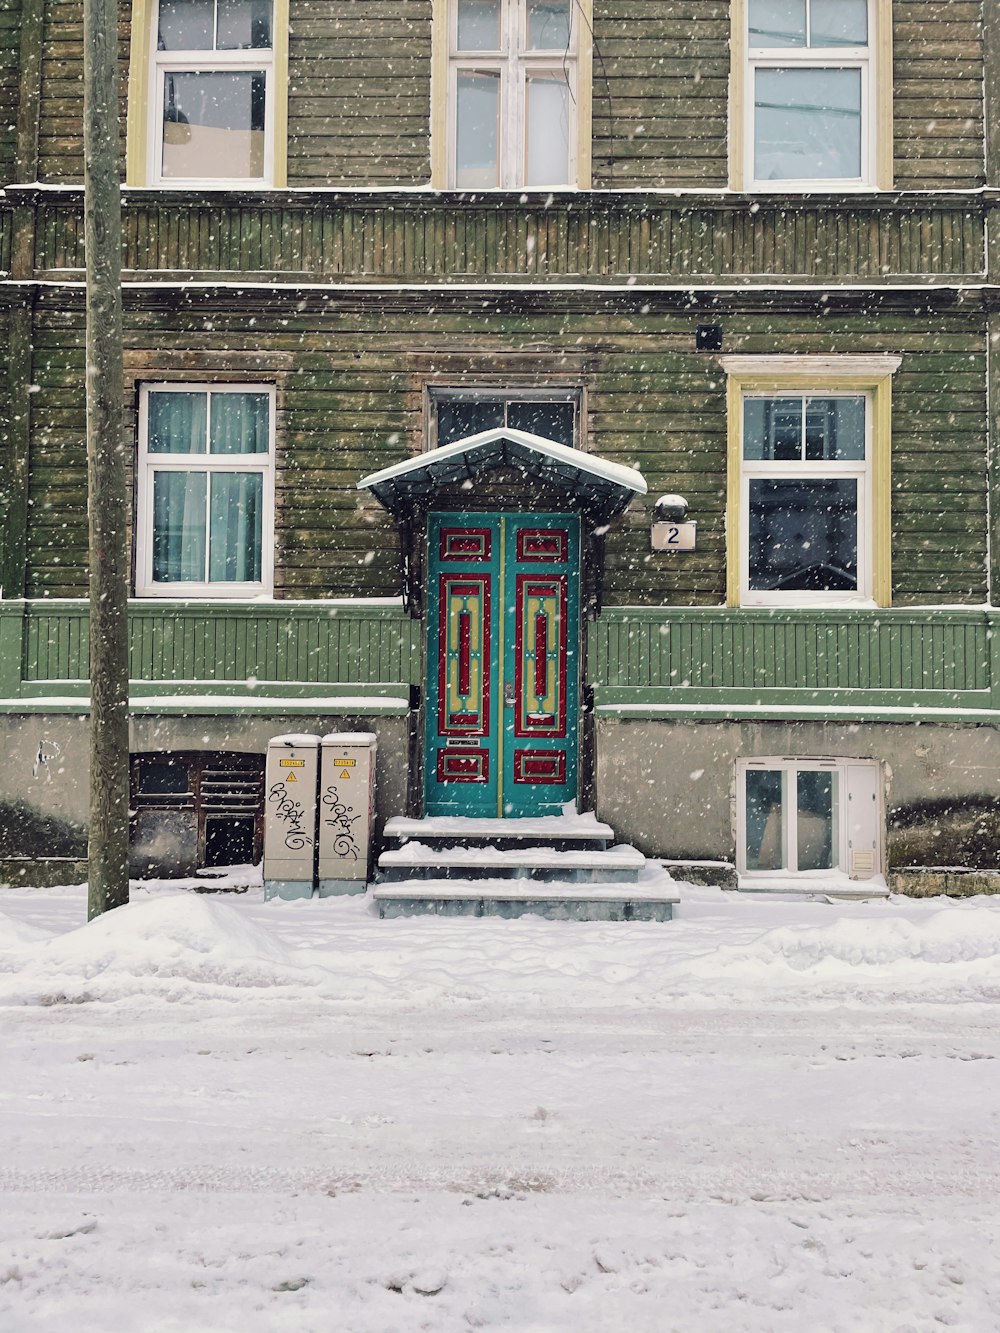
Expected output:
(558, 866)
(652, 898)
(557, 831)
(419, 860)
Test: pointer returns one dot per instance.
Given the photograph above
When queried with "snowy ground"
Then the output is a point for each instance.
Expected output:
(225, 1115)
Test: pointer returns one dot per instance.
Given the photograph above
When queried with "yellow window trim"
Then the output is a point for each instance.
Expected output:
(138, 117)
(835, 374)
(584, 93)
(881, 47)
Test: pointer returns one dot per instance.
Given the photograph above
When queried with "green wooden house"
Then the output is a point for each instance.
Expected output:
(596, 399)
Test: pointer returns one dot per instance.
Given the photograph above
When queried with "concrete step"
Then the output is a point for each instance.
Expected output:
(560, 832)
(417, 860)
(652, 898)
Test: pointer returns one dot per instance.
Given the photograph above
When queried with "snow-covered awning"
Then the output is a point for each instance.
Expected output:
(603, 488)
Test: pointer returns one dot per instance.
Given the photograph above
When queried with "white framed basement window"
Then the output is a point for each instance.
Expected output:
(207, 93)
(801, 820)
(514, 75)
(812, 96)
(205, 491)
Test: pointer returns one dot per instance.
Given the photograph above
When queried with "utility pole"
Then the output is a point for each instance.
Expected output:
(107, 851)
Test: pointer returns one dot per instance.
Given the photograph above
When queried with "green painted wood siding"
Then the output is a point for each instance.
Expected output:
(351, 373)
(359, 100)
(10, 35)
(359, 92)
(174, 642)
(573, 238)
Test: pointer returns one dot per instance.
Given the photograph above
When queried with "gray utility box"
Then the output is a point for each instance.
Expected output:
(290, 816)
(346, 811)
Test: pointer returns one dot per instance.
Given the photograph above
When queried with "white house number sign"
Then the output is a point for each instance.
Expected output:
(674, 536)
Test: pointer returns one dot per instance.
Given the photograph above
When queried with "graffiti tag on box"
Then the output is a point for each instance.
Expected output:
(291, 813)
(337, 815)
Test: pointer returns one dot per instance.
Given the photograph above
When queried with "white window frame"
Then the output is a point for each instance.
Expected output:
(844, 792)
(162, 63)
(438, 393)
(148, 464)
(771, 470)
(514, 66)
(875, 64)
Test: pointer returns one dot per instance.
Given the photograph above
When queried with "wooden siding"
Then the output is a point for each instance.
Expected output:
(574, 238)
(359, 102)
(352, 376)
(359, 93)
(171, 642)
(10, 40)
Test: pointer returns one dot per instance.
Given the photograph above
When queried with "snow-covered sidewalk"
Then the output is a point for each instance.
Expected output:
(221, 1114)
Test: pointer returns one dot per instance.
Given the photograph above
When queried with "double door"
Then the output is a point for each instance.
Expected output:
(503, 664)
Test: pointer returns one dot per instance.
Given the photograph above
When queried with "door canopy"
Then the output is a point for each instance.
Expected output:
(604, 489)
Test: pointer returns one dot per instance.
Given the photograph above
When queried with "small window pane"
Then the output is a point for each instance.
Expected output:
(553, 421)
(177, 423)
(179, 527)
(835, 429)
(162, 778)
(814, 820)
(240, 423)
(213, 126)
(764, 824)
(244, 25)
(235, 546)
(186, 25)
(549, 25)
(547, 130)
(772, 429)
(777, 22)
(804, 535)
(838, 23)
(478, 133)
(458, 418)
(807, 124)
(479, 25)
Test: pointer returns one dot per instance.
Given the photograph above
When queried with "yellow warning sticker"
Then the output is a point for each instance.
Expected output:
(291, 763)
(344, 774)
(291, 778)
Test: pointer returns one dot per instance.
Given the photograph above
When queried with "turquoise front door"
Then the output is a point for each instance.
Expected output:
(503, 664)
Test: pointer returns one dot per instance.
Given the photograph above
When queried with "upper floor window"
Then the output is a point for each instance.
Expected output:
(207, 96)
(205, 491)
(513, 97)
(811, 102)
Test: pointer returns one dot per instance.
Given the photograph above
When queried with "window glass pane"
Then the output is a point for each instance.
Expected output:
(235, 546)
(765, 833)
(213, 126)
(239, 423)
(554, 421)
(177, 423)
(479, 25)
(547, 137)
(814, 820)
(459, 417)
(548, 25)
(777, 22)
(244, 25)
(179, 527)
(835, 429)
(804, 535)
(186, 25)
(807, 124)
(163, 778)
(838, 23)
(477, 130)
(772, 429)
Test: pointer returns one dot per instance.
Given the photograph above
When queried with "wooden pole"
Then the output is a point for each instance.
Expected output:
(108, 500)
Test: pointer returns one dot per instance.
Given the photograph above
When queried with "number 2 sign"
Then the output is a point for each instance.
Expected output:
(673, 536)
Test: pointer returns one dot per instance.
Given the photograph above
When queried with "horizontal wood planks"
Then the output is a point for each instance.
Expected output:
(352, 374)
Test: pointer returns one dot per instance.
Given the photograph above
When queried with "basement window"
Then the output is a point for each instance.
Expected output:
(805, 819)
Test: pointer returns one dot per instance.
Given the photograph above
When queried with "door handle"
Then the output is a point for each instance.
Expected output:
(508, 694)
